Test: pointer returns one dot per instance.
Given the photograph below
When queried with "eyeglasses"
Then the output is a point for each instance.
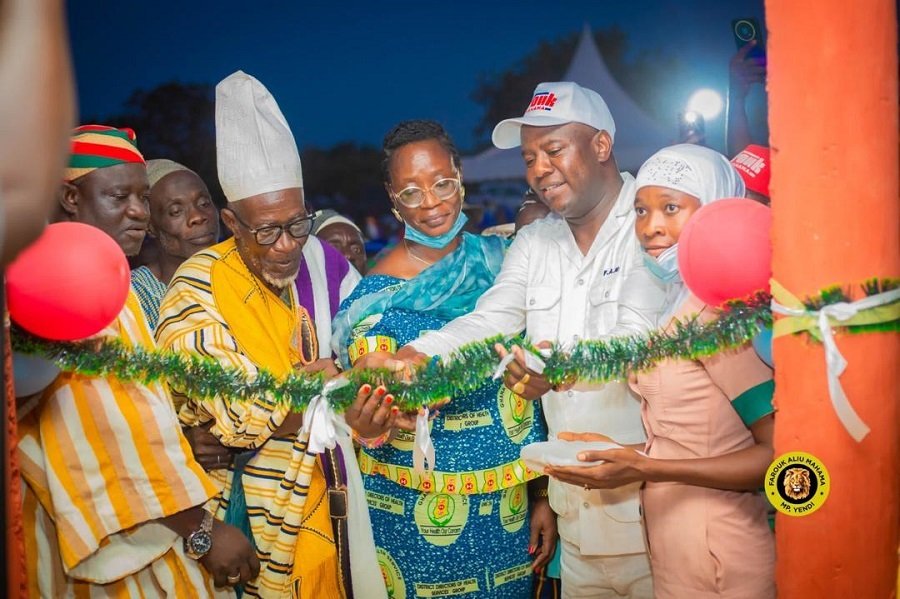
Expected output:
(269, 234)
(443, 190)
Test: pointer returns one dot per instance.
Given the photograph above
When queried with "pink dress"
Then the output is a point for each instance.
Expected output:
(704, 542)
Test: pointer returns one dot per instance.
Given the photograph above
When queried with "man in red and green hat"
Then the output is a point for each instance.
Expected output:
(106, 185)
(112, 497)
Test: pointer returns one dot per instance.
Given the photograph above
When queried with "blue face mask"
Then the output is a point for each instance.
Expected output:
(441, 241)
(665, 266)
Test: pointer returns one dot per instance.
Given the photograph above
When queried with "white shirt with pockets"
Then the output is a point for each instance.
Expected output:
(548, 288)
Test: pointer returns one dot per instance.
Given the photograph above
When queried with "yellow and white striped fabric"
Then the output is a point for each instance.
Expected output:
(102, 460)
(244, 325)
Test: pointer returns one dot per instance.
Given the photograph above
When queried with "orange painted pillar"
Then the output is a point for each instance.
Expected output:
(833, 125)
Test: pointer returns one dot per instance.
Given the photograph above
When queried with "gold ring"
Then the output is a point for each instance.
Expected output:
(234, 579)
(518, 388)
(525, 378)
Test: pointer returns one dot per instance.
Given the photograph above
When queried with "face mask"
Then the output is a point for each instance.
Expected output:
(664, 266)
(414, 235)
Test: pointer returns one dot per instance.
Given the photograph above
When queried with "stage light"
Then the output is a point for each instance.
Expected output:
(707, 102)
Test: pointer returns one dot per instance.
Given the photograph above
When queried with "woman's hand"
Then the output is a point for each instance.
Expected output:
(616, 467)
(372, 414)
(402, 365)
(542, 543)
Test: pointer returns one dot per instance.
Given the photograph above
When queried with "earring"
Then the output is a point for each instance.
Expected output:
(396, 214)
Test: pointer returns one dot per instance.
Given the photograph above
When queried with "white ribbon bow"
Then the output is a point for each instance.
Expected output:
(423, 448)
(320, 420)
(834, 361)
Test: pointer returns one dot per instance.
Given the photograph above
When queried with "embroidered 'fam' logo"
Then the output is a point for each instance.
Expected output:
(542, 101)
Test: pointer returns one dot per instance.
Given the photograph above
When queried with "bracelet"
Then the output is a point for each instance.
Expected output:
(540, 494)
(372, 443)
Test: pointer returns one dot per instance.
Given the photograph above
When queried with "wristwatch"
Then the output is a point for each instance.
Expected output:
(199, 542)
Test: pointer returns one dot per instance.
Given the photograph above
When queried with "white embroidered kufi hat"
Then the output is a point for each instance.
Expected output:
(255, 149)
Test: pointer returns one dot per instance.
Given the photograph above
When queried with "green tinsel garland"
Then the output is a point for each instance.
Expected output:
(594, 361)
(616, 358)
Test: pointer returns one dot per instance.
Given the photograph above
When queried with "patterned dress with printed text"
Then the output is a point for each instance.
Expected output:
(463, 530)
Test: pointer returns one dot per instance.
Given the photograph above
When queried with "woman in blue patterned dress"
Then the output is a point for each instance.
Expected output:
(470, 528)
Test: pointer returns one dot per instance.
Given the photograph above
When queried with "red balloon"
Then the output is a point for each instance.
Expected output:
(69, 284)
(724, 251)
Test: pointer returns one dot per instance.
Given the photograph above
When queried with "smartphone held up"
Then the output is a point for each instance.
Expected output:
(746, 31)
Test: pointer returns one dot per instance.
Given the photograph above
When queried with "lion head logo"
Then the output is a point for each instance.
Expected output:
(796, 483)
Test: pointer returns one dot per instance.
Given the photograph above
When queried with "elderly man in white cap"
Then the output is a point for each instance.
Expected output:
(342, 234)
(238, 303)
(562, 280)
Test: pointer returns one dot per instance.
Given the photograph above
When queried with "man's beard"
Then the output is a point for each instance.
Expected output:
(279, 283)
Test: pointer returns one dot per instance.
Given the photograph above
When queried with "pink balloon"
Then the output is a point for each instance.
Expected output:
(69, 284)
(724, 251)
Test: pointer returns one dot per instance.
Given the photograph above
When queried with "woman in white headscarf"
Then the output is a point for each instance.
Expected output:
(709, 422)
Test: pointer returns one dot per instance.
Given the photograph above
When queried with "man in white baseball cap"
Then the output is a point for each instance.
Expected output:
(557, 104)
(563, 280)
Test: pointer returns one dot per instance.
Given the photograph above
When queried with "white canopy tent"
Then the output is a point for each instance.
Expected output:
(637, 135)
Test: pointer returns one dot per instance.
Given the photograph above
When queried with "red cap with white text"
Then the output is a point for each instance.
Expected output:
(753, 165)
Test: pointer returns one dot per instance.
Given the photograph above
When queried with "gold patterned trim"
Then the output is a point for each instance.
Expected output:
(366, 345)
(489, 480)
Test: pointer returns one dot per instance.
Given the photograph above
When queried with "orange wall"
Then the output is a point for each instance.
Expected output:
(836, 214)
